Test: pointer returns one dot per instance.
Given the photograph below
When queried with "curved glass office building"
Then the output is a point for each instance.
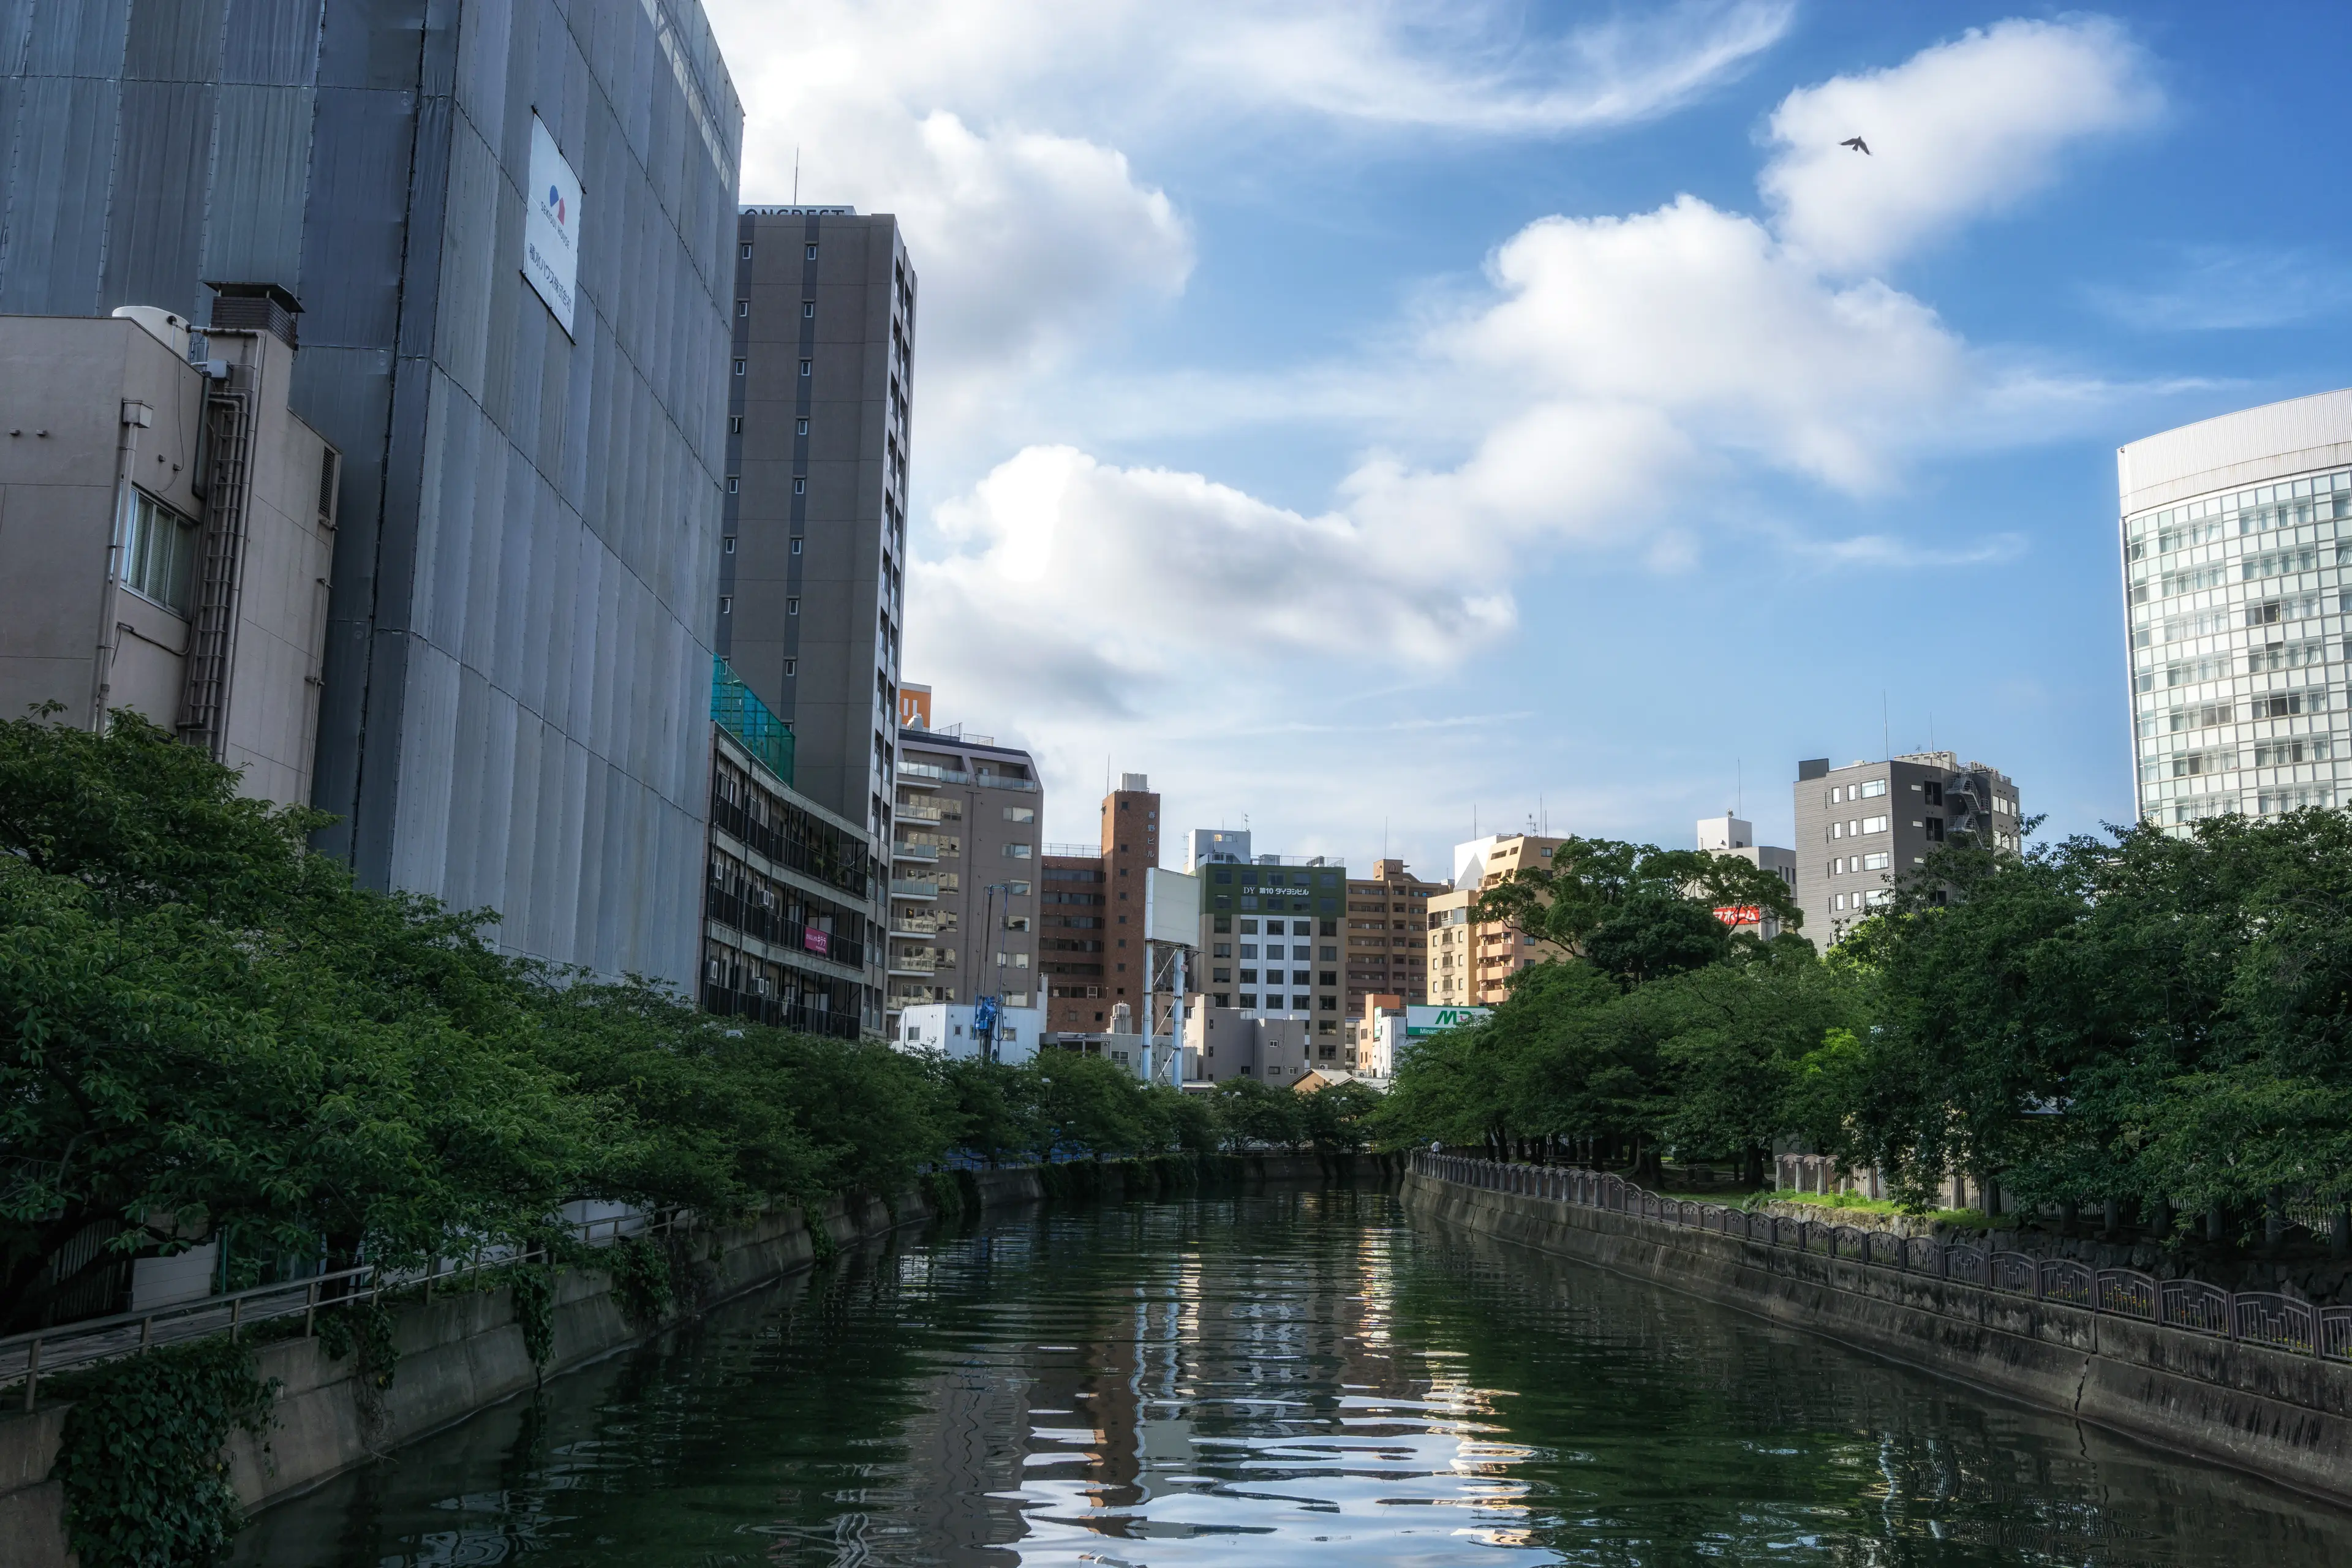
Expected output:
(2234, 531)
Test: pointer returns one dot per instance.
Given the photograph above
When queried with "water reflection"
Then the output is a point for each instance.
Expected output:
(1286, 1378)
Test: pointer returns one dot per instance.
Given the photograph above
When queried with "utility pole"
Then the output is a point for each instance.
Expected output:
(986, 1008)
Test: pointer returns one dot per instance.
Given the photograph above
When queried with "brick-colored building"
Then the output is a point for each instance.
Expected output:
(1091, 941)
(1388, 935)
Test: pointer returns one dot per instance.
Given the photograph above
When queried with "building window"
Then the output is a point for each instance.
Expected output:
(742, 307)
(804, 365)
(808, 310)
(1020, 813)
(801, 428)
(799, 486)
(739, 366)
(734, 425)
(1873, 787)
(1018, 889)
(812, 253)
(791, 606)
(159, 552)
(726, 603)
(796, 545)
(729, 544)
(747, 253)
(734, 484)
(792, 666)
(1018, 851)
(1249, 1000)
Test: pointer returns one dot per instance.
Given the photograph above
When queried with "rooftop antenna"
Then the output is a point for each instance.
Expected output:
(1738, 783)
(1885, 728)
(796, 175)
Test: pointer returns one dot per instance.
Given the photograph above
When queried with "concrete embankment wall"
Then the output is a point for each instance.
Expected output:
(2282, 1417)
(463, 1351)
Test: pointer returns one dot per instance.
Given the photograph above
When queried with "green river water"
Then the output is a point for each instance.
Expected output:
(1287, 1377)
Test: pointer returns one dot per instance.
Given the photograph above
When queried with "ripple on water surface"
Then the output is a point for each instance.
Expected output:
(1280, 1378)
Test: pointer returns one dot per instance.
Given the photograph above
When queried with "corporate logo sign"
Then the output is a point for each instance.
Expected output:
(551, 228)
(1421, 1021)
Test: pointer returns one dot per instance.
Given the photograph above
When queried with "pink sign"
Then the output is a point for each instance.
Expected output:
(817, 940)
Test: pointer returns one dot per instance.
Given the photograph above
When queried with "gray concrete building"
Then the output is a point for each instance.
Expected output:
(1222, 1043)
(2234, 532)
(1863, 828)
(812, 569)
(166, 531)
(965, 862)
(509, 228)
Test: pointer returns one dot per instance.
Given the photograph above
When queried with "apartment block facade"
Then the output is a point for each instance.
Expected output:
(965, 859)
(167, 532)
(793, 894)
(1470, 962)
(1386, 946)
(1863, 828)
(811, 564)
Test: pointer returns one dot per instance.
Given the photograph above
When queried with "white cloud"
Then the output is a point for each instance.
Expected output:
(2224, 288)
(1957, 131)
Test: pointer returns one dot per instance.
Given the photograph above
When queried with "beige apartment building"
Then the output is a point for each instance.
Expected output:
(965, 854)
(1470, 964)
(166, 529)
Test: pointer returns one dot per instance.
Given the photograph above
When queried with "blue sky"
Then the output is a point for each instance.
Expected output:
(1366, 418)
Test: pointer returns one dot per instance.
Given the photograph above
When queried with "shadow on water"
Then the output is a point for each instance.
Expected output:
(1280, 1378)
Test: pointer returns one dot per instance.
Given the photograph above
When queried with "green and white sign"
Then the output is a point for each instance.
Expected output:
(1420, 1021)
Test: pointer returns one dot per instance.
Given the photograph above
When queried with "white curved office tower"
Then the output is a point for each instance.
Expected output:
(2235, 607)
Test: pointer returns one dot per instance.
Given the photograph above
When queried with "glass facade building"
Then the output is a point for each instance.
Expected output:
(510, 226)
(2234, 535)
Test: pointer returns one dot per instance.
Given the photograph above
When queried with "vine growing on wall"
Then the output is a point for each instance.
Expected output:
(363, 1330)
(533, 1289)
(641, 1275)
(822, 1247)
(139, 1460)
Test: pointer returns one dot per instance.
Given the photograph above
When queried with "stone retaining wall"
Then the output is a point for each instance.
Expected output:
(2285, 1417)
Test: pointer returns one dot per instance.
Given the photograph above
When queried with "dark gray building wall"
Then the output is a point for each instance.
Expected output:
(1840, 831)
(812, 589)
(513, 712)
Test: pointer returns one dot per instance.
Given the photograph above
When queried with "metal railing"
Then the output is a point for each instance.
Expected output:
(2267, 1318)
(36, 1353)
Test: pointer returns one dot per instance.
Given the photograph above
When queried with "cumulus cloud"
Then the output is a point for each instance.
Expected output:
(1614, 376)
(1957, 131)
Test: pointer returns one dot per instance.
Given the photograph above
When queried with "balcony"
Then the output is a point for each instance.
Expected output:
(913, 963)
(926, 811)
(923, 775)
(908, 923)
(1002, 781)
(902, 996)
(907, 850)
(912, 888)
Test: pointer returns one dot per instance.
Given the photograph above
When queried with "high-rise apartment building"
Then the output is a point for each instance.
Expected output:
(2232, 532)
(811, 568)
(1862, 828)
(1270, 936)
(1388, 935)
(1470, 962)
(1736, 836)
(965, 858)
(167, 530)
(507, 229)
(1090, 937)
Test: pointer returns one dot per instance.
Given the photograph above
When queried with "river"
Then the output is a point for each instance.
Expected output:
(1286, 1377)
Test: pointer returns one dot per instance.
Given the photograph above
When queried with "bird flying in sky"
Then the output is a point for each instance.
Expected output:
(1856, 142)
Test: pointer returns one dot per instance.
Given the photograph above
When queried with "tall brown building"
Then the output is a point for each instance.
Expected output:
(1090, 941)
(1388, 935)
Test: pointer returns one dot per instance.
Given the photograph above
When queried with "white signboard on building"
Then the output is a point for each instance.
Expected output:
(1420, 1020)
(551, 227)
(1172, 908)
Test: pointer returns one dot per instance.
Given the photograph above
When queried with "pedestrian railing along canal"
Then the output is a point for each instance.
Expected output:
(2266, 1318)
(28, 1357)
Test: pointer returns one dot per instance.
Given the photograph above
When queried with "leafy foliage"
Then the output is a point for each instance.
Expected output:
(140, 1458)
